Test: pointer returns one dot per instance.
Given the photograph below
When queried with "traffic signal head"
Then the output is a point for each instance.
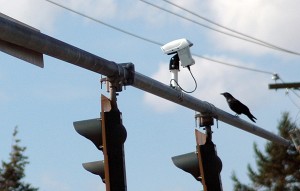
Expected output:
(96, 168)
(108, 134)
(204, 165)
(113, 150)
(90, 129)
(189, 163)
(210, 166)
(211, 163)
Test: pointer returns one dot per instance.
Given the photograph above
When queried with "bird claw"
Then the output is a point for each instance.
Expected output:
(237, 115)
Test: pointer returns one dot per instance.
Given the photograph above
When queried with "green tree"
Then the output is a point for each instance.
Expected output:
(278, 167)
(12, 172)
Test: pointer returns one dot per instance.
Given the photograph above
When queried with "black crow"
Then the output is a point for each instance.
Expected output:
(236, 106)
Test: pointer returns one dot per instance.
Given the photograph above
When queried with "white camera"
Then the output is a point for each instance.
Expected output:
(182, 48)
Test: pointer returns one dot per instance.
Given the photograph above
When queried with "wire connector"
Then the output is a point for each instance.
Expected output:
(275, 77)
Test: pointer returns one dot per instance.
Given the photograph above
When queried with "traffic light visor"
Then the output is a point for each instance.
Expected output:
(189, 163)
(96, 168)
(90, 129)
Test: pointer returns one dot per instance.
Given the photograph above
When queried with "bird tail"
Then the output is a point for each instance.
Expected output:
(251, 117)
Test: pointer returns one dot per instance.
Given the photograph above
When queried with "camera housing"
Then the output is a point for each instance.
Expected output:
(182, 48)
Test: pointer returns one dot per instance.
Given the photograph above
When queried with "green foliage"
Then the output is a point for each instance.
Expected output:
(12, 172)
(277, 167)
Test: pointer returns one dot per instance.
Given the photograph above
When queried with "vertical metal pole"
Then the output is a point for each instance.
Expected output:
(105, 106)
(207, 156)
(113, 94)
(114, 133)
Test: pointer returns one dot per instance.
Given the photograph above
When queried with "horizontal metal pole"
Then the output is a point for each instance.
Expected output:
(17, 34)
(157, 88)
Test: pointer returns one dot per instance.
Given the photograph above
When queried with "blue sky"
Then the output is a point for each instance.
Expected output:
(43, 103)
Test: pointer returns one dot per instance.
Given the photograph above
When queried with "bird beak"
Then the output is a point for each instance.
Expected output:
(222, 93)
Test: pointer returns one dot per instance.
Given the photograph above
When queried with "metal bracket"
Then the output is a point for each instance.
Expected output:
(129, 72)
(124, 77)
(205, 120)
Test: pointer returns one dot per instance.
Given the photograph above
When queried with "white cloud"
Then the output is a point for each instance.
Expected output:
(212, 80)
(274, 22)
(43, 14)
(155, 102)
(271, 21)
(36, 13)
(157, 17)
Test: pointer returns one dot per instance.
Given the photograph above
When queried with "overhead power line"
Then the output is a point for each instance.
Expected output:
(254, 40)
(15, 33)
(104, 23)
(155, 42)
(233, 65)
(293, 102)
(290, 89)
(229, 29)
(160, 44)
(248, 37)
(288, 86)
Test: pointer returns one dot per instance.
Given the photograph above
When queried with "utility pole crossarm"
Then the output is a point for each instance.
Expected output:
(295, 85)
(17, 34)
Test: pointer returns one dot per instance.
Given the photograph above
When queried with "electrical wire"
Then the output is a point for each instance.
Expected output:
(296, 118)
(255, 41)
(229, 29)
(155, 42)
(103, 23)
(233, 65)
(290, 89)
(288, 94)
(203, 25)
(290, 98)
(160, 44)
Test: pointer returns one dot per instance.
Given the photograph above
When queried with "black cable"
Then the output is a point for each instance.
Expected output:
(196, 85)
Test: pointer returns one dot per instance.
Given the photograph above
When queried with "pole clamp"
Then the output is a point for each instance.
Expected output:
(123, 77)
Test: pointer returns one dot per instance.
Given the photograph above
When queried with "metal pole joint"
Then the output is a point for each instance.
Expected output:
(124, 76)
